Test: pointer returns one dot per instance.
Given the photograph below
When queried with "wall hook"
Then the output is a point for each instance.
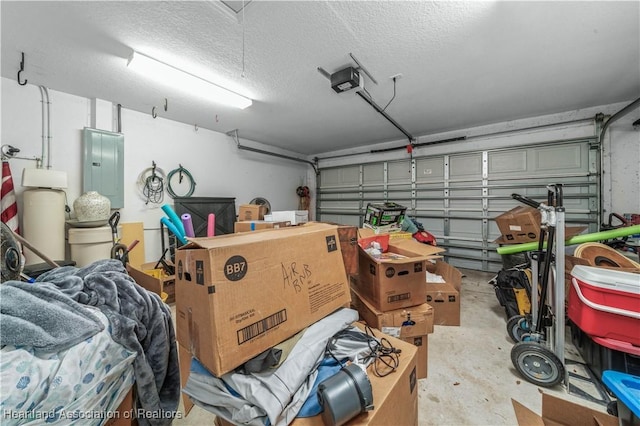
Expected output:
(195, 127)
(154, 114)
(166, 104)
(21, 70)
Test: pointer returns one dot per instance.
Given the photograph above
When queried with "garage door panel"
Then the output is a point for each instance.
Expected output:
(565, 158)
(432, 225)
(373, 174)
(399, 173)
(430, 170)
(507, 162)
(466, 165)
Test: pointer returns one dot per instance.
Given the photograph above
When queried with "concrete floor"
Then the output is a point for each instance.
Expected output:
(471, 379)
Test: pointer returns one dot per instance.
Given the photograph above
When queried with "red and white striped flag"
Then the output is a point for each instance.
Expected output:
(8, 201)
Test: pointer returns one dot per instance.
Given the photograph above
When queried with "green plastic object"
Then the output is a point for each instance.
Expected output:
(578, 239)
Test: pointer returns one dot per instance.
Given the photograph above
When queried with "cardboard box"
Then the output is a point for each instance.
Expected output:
(184, 359)
(395, 396)
(156, 284)
(251, 212)
(422, 359)
(123, 415)
(557, 411)
(393, 322)
(296, 217)
(520, 224)
(444, 297)
(240, 294)
(569, 232)
(257, 225)
(349, 246)
(390, 283)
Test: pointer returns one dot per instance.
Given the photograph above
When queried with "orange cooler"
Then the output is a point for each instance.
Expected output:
(605, 303)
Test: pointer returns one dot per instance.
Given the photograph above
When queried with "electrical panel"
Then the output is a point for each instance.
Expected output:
(103, 160)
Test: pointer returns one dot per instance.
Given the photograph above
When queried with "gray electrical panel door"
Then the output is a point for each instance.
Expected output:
(103, 159)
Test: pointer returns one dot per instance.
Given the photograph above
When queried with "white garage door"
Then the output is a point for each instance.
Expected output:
(456, 196)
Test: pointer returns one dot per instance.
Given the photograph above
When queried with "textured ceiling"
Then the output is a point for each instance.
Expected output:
(462, 63)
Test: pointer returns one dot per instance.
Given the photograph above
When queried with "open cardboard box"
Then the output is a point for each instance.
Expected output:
(398, 279)
(154, 284)
(557, 411)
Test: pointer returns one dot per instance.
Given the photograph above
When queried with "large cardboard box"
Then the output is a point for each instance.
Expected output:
(251, 212)
(400, 323)
(240, 294)
(395, 396)
(409, 324)
(349, 246)
(153, 281)
(444, 297)
(519, 225)
(557, 411)
(392, 283)
(422, 359)
(184, 359)
(257, 225)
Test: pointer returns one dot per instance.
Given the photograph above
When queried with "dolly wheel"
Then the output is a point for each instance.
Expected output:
(516, 326)
(537, 364)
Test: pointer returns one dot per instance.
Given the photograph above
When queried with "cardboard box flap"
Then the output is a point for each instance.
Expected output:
(557, 411)
(412, 248)
(525, 416)
(571, 414)
(253, 237)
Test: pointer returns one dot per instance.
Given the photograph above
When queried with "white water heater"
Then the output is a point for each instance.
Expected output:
(43, 213)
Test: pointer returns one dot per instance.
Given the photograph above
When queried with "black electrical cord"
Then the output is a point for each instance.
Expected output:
(382, 354)
(182, 172)
(394, 94)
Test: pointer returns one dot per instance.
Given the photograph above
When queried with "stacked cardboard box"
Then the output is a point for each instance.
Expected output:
(413, 325)
(395, 285)
(238, 295)
(251, 217)
(241, 294)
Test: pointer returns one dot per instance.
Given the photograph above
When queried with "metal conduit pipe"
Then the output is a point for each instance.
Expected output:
(624, 111)
(46, 128)
(234, 135)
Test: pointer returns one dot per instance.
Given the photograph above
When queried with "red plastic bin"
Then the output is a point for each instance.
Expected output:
(605, 303)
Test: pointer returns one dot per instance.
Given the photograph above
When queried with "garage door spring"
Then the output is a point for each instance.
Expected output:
(182, 173)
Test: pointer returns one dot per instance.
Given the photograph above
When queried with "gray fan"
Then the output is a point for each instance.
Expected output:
(10, 260)
(262, 202)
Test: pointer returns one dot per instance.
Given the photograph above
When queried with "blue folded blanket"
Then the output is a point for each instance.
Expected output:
(43, 318)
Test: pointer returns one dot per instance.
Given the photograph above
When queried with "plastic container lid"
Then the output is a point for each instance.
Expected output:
(625, 387)
(608, 278)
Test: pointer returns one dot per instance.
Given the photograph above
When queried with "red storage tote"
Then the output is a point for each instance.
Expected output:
(605, 303)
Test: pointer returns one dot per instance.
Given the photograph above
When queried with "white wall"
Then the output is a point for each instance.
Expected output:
(218, 167)
(621, 153)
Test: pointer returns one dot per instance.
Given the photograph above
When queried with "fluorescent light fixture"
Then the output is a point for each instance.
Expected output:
(170, 75)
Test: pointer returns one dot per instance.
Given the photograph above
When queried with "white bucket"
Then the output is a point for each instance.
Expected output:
(90, 244)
